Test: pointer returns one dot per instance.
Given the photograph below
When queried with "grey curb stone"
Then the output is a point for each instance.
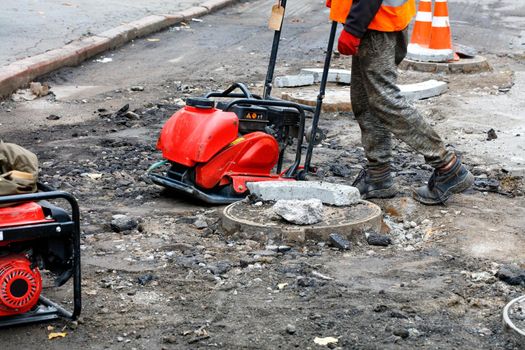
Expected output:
(342, 76)
(294, 80)
(22, 72)
(328, 193)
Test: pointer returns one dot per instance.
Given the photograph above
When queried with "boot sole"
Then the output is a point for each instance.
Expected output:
(464, 185)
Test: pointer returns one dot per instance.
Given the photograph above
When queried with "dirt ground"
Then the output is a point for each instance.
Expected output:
(171, 285)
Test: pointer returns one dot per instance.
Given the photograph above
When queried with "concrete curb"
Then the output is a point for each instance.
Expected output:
(20, 73)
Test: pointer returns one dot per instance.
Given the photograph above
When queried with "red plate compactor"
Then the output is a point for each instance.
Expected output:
(37, 237)
(214, 148)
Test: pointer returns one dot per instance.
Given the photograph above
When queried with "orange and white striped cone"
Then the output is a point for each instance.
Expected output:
(423, 25)
(440, 36)
(438, 47)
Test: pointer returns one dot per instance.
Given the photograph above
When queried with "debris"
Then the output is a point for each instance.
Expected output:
(137, 88)
(52, 117)
(339, 242)
(220, 268)
(300, 212)
(511, 274)
(23, 95)
(153, 40)
(401, 332)
(305, 282)
(290, 329)
(200, 222)
(198, 20)
(147, 278)
(464, 51)
(321, 276)
(341, 170)
(120, 113)
(482, 276)
(132, 115)
(104, 60)
(278, 248)
(378, 239)
(122, 223)
(491, 135)
(56, 335)
(39, 89)
(92, 176)
(326, 341)
(281, 286)
(484, 184)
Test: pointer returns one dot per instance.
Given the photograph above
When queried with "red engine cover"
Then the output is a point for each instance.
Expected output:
(254, 154)
(194, 135)
(21, 214)
(20, 286)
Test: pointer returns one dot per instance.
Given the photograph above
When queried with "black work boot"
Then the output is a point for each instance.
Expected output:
(444, 183)
(376, 183)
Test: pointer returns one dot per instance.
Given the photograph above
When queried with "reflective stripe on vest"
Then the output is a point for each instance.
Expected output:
(393, 15)
(394, 3)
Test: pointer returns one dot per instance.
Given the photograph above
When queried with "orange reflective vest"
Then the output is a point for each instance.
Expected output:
(393, 15)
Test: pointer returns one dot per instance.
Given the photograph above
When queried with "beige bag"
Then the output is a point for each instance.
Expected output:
(18, 169)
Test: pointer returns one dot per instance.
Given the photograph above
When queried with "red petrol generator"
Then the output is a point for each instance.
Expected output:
(36, 238)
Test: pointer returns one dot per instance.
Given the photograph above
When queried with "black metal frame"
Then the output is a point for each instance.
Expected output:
(47, 309)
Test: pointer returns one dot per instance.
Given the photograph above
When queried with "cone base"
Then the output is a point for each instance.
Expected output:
(473, 65)
(417, 52)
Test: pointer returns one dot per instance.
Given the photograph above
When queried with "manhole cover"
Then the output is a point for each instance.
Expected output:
(514, 316)
(260, 223)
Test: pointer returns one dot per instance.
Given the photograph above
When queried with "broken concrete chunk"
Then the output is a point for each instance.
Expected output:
(294, 81)
(339, 242)
(300, 212)
(200, 222)
(512, 274)
(122, 223)
(39, 89)
(464, 51)
(327, 193)
(378, 240)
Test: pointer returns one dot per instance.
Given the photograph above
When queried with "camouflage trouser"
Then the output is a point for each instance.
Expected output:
(380, 109)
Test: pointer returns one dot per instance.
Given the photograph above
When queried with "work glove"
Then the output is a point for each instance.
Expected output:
(328, 3)
(348, 44)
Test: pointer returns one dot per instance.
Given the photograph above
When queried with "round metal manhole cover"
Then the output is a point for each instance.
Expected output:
(259, 222)
(514, 317)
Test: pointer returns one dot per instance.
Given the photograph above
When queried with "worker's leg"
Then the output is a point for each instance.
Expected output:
(378, 55)
(376, 181)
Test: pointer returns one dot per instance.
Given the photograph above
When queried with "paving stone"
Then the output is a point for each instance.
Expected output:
(342, 76)
(337, 99)
(294, 80)
(423, 90)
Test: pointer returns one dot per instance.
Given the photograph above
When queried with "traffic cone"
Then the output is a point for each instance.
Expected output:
(423, 24)
(440, 35)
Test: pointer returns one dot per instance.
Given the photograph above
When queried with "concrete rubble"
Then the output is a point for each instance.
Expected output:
(300, 212)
